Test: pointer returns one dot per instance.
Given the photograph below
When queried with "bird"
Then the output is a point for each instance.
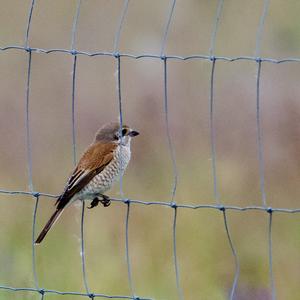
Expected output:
(102, 163)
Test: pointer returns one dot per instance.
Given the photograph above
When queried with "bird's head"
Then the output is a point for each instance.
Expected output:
(112, 132)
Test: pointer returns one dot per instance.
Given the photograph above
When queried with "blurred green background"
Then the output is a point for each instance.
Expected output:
(205, 260)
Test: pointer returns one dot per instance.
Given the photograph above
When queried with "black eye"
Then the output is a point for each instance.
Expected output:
(124, 131)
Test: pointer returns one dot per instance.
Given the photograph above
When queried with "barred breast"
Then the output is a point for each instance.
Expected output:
(104, 180)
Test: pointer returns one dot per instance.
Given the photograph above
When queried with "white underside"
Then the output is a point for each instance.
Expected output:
(111, 173)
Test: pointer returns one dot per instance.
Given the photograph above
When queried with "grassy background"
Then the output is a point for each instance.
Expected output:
(205, 260)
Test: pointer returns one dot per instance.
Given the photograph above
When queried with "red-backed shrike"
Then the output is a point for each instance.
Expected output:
(102, 163)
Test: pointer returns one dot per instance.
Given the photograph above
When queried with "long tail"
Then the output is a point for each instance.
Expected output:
(49, 224)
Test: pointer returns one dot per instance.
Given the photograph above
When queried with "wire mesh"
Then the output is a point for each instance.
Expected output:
(271, 211)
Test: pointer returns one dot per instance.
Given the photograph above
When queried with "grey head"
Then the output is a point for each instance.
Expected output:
(111, 132)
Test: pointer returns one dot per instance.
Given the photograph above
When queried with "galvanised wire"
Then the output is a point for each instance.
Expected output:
(171, 147)
(82, 252)
(175, 176)
(33, 240)
(129, 272)
(270, 253)
(213, 145)
(74, 65)
(259, 34)
(120, 25)
(74, 72)
(168, 204)
(154, 56)
(120, 112)
(236, 259)
(167, 27)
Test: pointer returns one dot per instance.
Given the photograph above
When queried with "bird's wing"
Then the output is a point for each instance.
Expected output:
(93, 161)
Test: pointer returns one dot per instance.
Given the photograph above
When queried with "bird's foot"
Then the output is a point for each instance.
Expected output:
(105, 201)
(94, 203)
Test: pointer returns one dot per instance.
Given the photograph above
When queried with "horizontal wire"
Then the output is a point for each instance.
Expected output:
(35, 194)
(46, 291)
(167, 203)
(156, 56)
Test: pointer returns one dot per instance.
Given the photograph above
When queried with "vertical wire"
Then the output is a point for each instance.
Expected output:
(33, 240)
(119, 90)
(118, 74)
(211, 101)
(213, 147)
(166, 31)
(29, 165)
(261, 27)
(120, 113)
(120, 25)
(215, 28)
(270, 246)
(179, 289)
(118, 68)
(28, 134)
(129, 272)
(258, 118)
(213, 133)
(168, 133)
(26, 44)
(74, 27)
(260, 142)
(74, 67)
(119, 97)
(120, 107)
(28, 142)
(259, 137)
(175, 177)
(83, 250)
(236, 260)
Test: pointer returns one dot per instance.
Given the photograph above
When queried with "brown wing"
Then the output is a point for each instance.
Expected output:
(93, 161)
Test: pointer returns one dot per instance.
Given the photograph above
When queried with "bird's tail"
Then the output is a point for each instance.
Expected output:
(49, 224)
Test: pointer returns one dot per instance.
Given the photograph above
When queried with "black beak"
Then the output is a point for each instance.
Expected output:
(133, 133)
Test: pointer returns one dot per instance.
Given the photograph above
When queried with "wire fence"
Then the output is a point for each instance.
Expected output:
(271, 211)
